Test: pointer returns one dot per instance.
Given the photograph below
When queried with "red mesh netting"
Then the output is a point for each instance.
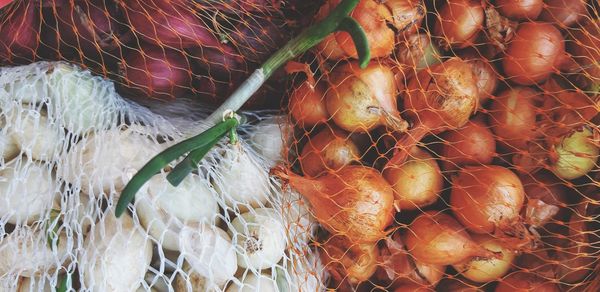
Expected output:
(463, 158)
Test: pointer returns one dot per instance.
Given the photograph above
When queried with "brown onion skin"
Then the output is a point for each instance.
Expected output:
(417, 182)
(522, 281)
(485, 73)
(459, 23)
(535, 52)
(545, 187)
(537, 262)
(349, 261)
(414, 287)
(158, 73)
(487, 198)
(359, 100)
(564, 13)
(167, 23)
(473, 144)
(92, 27)
(437, 238)
(520, 9)
(373, 17)
(417, 51)
(457, 285)
(407, 15)
(512, 117)
(306, 105)
(364, 210)
(19, 30)
(330, 150)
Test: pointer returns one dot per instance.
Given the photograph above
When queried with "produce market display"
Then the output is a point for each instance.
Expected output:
(284, 145)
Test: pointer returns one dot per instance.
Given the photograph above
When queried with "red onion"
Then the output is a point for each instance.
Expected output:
(90, 27)
(222, 62)
(19, 28)
(256, 37)
(168, 23)
(155, 72)
(536, 51)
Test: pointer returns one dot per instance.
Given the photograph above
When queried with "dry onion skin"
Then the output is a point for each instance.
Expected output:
(349, 261)
(329, 150)
(584, 49)
(364, 210)
(438, 239)
(459, 23)
(407, 15)
(520, 9)
(486, 199)
(473, 144)
(360, 100)
(374, 17)
(565, 13)
(575, 154)
(417, 51)
(306, 105)
(512, 117)
(487, 269)
(536, 51)
(417, 182)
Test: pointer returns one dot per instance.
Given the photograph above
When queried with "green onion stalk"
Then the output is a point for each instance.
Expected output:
(224, 120)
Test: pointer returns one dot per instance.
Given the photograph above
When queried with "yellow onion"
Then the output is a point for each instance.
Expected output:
(417, 51)
(523, 281)
(417, 182)
(482, 269)
(348, 260)
(459, 23)
(306, 105)
(437, 238)
(575, 154)
(407, 15)
(355, 201)
(363, 99)
(329, 150)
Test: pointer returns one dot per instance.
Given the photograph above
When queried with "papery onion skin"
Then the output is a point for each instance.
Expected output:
(520, 9)
(537, 262)
(584, 49)
(550, 191)
(407, 15)
(154, 72)
(19, 30)
(355, 201)
(512, 117)
(459, 23)
(473, 144)
(482, 270)
(416, 182)
(360, 100)
(534, 53)
(417, 51)
(373, 17)
(485, 73)
(487, 198)
(167, 23)
(564, 12)
(91, 27)
(522, 281)
(328, 151)
(307, 105)
(347, 260)
(437, 238)
(575, 154)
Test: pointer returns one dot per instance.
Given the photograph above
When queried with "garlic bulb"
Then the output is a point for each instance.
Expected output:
(164, 209)
(116, 257)
(26, 191)
(240, 179)
(209, 252)
(260, 238)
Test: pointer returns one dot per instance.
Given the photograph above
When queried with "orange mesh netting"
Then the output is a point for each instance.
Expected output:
(464, 157)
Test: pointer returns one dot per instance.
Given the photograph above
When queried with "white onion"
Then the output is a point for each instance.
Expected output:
(116, 257)
(240, 179)
(25, 252)
(252, 283)
(29, 87)
(106, 161)
(38, 136)
(260, 238)
(267, 138)
(196, 281)
(27, 284)
(163, 209)
(27, 191)
(209, 252)
(82, 102)
(8, 147)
